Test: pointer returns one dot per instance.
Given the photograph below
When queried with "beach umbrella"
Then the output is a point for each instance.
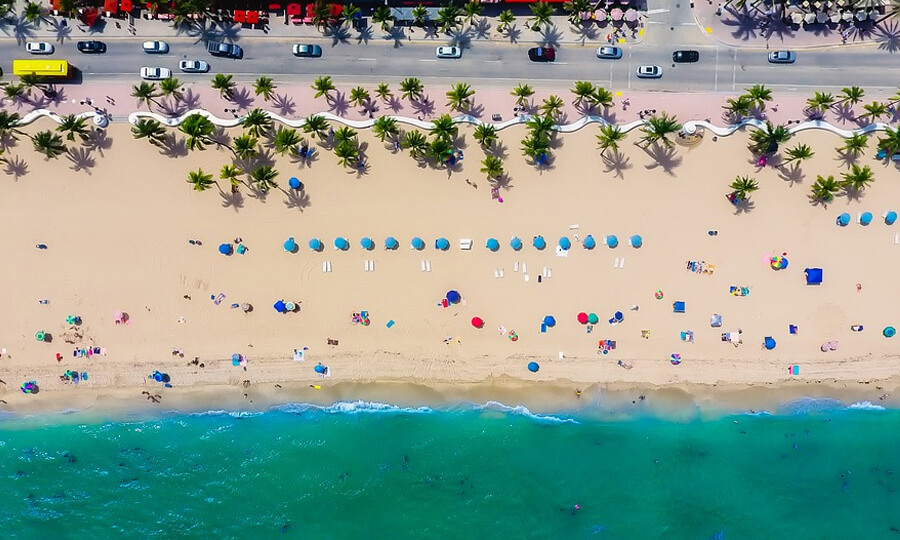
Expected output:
(492, 244)
(589, 242)
(515, 243)
(565, 243)
(442, 244)
(612, 241)
(235, 359)
(550, 321)
(320, 369)
(453, 297)
(391, 243)
(538, 242)
(844, 219)
(618, 316)
(636, 241)
(280, 306)
(315, 244)
(533, 367)
(226, 249)
(40, 335)
(675, 359)
(890, 217)
(295, 183)
(583, 318)
(769, 343)
(289, 245)
(593, 318)
(30, 387)
(157, 376)
(341, 243)
(865, 218)
(367, 243)
(715, 320)
(417, 244)
(477, 322)
(889, 331)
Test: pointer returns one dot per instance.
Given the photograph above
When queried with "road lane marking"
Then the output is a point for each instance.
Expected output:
(427, 59)
(367, 59)
(716, 81)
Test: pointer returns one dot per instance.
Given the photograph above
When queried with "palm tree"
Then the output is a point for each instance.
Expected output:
(658, 128)
(383, 16)
(534, 146)
(459, 96)
(854, 144)
(383, 90)
(145, 93)
(359, 96)
(316, 126)
(171, 86)
(385, 127)
(575, 8)
(411, 88)
(9, 124)
(857, 179)
(199, 180)
(244, 146)
(231, 173)
(147, 128)
(522, 93)
(448, 17)
(506, 18)
(73, 125)
(874, 110)
(323, 87)
(415, 142)
(739, 107)
(344, 135)
(890, 143)
(820, 102)
(800, 152)
(492, 167)
(765, 140)
(601, 97)
(321, 13)
(485, 134)
(759, 94)
(257, 122)
(263, 177)
(224, 84)
(350, 11)
(824, 188)
(286, 140)
(583, 91)
(34, 14)
(609, 138)
(265, 87)
(198, 130)
(541, 126)
(443, 127)
(48, 143)
(347, 154)
(541, 11)
(743, 186)
(14, 92)
(420, 15)
(30, 81)
(851, 95)
(471, 10)
(439, 149)
(552, 106)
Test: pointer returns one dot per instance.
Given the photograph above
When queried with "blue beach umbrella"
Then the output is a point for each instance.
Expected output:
(769, 343)
(315, 244)
(391, 243)
(538, 242)
(226, 249)
(341, 243)
(865, 218)
(290, 246)
(295, 183)
(589, 242)
(844, 219)
(890, 217)
(515, 243)
(367, 243)
(889, 331)
(612, 241)
(235, 359)
(565, 243)
(320, 369)
(533, 367)
(442, 244)
(280, 307)
(453, 297)
(550, 321)
(417, 244)
(636, 241)
(492, 244)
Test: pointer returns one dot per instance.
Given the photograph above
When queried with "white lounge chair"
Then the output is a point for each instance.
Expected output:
(465, 243)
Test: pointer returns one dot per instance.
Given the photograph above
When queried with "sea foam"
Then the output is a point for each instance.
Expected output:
(521, 410)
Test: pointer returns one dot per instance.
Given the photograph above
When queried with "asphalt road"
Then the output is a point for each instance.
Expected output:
(720, 69)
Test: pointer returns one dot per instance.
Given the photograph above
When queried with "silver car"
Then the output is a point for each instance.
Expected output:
(155, 73)
(155, 47)
(609, 53)
(649, 72)
(449, 52)
(782, 57)
(193, 66)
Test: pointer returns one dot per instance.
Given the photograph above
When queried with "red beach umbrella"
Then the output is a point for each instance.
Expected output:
(477, 322)
(583, 317)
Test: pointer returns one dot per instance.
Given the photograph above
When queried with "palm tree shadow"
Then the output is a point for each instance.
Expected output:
(498, 149)
(616, 162)
(793, 174)
(98, 140)
(190, 99)
(744, 206)
(664, 157)
(513, 34)
(258, 194)
(81, 159)
(395, 104)
(365, 34)
(172, 107)
(284, 103)
(423, 107)
(462, 38)
(585, 32)
(232, 199)
(172, 146)
(888, 38)
(550, 37)
(337, 34)
(243, 98)
(854, 195)
(339, 103)
(63, 32)
(845, 113)
(297, 199)
(15, 167)
(481, 29)
(7, 141)
(476, 110)
(503, 182)
(744, 24)
(22, 30)
(397, 34)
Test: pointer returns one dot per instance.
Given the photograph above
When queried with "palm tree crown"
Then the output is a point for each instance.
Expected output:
(257, 122)
(199, 180)
(224, 84)
(824, 188)
(73, 125)
(265, 87)
(658, 128)
(147, 128)
(323, 87)
(316, 126)
(609, 137)
(743, 186)
(198, 129)
(858, 178)
(48, 143)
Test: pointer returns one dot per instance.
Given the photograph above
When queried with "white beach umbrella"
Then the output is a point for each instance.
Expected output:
(821, 17)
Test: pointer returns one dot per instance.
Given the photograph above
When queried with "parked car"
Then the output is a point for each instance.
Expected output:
(609, 53)
(227, 50)
(156, 47)
(649, 72)
(782, 57)
(39, 47)
(155, 73)
(542, 54)
(193, 66)
(449, 52)
(685, 57)
(91, 47)
(306, 51)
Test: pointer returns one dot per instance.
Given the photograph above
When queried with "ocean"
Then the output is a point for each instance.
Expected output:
(812, 469)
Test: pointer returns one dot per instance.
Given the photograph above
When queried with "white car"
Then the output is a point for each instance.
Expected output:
(782, 57)
(156, 47)
(193, 66)
(39, 47)
(155, 73)
(449, 52)
(649, 72)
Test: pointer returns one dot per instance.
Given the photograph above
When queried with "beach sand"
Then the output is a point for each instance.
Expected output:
(117, 223)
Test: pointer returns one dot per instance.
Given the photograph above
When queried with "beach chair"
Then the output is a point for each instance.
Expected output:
(465, 244)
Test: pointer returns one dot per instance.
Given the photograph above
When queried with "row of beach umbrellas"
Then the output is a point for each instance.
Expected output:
(442, 244)
(865, 218)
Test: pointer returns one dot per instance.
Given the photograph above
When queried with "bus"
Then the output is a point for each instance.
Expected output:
(43, 68)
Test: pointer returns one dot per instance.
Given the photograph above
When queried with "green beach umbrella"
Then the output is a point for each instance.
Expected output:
(889, 331)
(593, 318)
(40, 335)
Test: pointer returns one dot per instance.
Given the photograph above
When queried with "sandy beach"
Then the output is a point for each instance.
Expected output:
(117, 231)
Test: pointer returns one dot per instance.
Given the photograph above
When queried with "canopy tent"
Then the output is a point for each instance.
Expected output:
(538, 242)
(417, 244)
(367, 243)
(315, 244)
(515, 243)
(589, 242)
(442, 244)
(391, 243)
(813, 276)
(492, 244)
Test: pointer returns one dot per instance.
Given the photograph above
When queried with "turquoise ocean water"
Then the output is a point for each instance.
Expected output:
(814, 469)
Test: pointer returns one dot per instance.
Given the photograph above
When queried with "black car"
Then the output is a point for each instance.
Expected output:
(91, 47)
(542, 54)
(685, 57)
